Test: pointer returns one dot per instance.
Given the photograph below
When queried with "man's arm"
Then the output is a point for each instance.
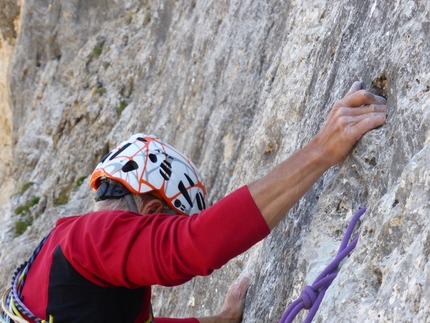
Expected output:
(351, 117)
(274, 194)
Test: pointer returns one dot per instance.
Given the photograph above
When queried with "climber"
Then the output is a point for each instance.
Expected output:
(99, 267)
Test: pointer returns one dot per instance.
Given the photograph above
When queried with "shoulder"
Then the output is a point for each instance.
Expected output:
(98, 216)
(99, 225)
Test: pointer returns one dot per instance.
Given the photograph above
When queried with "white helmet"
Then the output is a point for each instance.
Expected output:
(146, 164)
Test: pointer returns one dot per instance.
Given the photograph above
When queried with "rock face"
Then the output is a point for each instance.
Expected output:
(238, 86)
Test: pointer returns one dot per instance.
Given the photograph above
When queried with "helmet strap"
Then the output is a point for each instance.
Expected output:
(131, 203)
(109, 190)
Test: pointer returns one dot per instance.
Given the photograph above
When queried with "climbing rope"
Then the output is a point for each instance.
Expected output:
(11, 303)
(311, 297)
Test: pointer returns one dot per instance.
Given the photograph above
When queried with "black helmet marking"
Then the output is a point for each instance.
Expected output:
(129, 166)
(120, 151)
(184, 192)
(105, 157)
(152, 158)
(189, 179)
(167, 168)
(200, 201)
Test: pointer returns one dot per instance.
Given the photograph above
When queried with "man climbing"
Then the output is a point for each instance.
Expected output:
(152, 226)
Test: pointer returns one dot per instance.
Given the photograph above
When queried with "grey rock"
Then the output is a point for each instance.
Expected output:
(238, 86)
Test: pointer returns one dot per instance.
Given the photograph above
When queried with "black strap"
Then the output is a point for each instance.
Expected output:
(111, 191)
(108, 190)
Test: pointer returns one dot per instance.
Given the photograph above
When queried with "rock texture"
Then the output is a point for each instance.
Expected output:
(238, 86)
(9, 11)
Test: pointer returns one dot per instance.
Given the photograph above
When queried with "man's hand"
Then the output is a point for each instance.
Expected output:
(351, 117)
(234, 303)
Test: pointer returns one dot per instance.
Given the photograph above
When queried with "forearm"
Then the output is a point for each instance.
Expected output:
(214, 319)
(279, 190)
(175, 320)
(351, 117)
(206, 319)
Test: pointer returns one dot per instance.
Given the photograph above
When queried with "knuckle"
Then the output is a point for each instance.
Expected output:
(365, 95)
(343, 111)
(339, 111)
(343, 121)
(337, 105)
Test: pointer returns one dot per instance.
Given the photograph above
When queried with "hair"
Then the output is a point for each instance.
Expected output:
(117, 204)
(121, 203)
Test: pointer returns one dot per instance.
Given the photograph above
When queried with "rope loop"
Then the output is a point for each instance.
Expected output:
(311, 297)
(13, 299)
(308, 297)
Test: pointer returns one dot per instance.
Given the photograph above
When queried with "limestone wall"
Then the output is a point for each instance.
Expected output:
(238, 86)
(9, 26)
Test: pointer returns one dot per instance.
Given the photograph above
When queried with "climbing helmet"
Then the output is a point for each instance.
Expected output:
(145, 164)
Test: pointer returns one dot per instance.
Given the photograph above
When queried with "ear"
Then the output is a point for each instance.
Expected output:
(152, 206)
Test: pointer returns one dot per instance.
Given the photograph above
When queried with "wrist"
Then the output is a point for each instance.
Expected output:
(321, 156)
(229, 317)
(220, 318)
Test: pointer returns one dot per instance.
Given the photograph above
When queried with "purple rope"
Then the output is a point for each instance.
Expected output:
(311, 297)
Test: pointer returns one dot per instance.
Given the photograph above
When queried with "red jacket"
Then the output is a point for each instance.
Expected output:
(99, 267)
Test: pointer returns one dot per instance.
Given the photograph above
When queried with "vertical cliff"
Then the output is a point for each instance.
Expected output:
(238, 86)
(9, 26)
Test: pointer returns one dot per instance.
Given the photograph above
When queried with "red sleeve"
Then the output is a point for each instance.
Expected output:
(169, 320)
(122, 248)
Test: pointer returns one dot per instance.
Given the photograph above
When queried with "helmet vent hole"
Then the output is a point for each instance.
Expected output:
(152, 158)
(104, 157)
(120, 151)
(129, 166)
